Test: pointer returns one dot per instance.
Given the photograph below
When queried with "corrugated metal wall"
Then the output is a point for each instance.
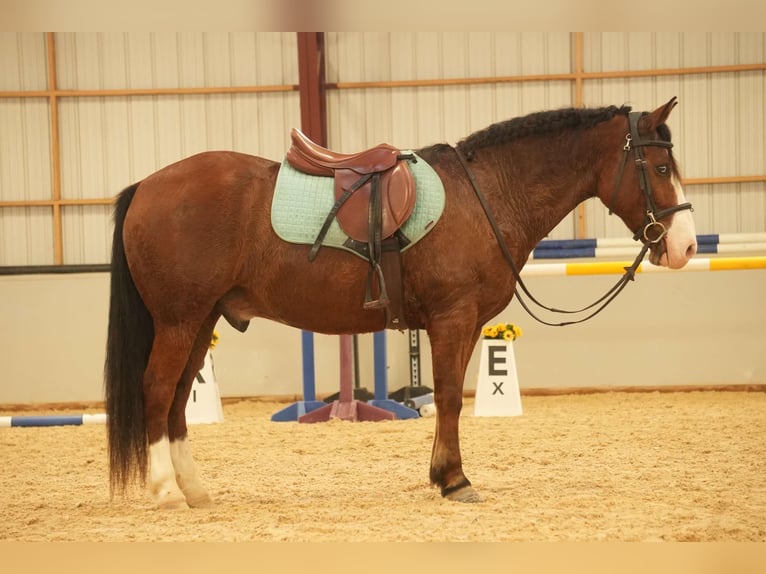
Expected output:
(109, 141)
(25, 163)
(718, 127)
(413, 117)
(416, 117)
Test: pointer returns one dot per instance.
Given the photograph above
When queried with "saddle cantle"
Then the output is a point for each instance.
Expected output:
(374, 194)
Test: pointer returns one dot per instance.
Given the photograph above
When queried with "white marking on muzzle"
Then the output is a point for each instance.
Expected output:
(681, 240)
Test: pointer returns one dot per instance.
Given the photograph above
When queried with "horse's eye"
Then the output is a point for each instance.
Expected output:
(662, 169)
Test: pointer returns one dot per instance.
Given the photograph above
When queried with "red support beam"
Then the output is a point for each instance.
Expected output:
(314, 124)
(312, 86)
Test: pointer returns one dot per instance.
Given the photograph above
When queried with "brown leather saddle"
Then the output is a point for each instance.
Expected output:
(374, 194)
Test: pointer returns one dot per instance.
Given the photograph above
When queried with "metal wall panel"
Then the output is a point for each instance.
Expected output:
(729, 207)
(413, 117)
(709, 142)
(87, 234)
(113, 60)
(718, 127)
(110, 142)
(420, 116)
(400, 56)
(615, 51)
(752, 207)
(26, 236)
(25, 163)
(23, 61)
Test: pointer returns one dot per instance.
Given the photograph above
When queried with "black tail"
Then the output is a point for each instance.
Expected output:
(129, 342)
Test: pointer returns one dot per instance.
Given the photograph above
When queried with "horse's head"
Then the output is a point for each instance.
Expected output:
(646, 192)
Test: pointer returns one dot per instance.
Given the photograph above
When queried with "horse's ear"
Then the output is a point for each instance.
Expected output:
(658, 117)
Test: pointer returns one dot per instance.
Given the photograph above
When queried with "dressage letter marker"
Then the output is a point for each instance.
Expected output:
(204, 404)
(497, 388)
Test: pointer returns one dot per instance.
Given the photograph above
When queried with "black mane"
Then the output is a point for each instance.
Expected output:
(538, 123)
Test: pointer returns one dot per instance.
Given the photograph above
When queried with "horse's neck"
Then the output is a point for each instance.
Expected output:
(538, 195)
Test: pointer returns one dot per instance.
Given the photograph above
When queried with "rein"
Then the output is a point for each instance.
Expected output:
(632, 141)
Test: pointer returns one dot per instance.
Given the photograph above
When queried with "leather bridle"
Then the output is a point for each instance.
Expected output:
(634, 142)
(651, 232)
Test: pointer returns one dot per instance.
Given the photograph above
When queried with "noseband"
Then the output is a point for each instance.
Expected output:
(645, 233)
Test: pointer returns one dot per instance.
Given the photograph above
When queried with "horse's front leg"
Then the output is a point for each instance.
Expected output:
(452, 342)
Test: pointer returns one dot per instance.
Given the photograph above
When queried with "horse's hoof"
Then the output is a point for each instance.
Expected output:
(465, 494)
(201, 500)
(173, 504)
(171, 501)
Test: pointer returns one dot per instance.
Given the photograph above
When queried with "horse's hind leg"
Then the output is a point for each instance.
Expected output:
(168, 360)
(187, 475)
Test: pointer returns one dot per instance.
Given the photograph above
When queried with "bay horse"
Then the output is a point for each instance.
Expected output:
(193, 242)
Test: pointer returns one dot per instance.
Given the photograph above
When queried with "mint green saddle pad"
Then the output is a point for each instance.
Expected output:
(301, 204)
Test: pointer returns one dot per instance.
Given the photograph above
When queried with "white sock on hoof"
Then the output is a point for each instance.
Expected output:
(162, 479)
(187, 474)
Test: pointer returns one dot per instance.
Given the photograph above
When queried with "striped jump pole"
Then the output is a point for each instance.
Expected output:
(53, 420)
(618, 267)
(710, 244)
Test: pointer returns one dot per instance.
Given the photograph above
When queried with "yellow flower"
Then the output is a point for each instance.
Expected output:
(502, 331)
(214, 340)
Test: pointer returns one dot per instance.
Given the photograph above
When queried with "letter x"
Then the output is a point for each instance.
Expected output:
(497, 388)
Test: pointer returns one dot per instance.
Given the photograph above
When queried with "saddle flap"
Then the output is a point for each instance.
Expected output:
(397, 188)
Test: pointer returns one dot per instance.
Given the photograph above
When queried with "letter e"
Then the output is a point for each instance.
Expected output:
(499, 360)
